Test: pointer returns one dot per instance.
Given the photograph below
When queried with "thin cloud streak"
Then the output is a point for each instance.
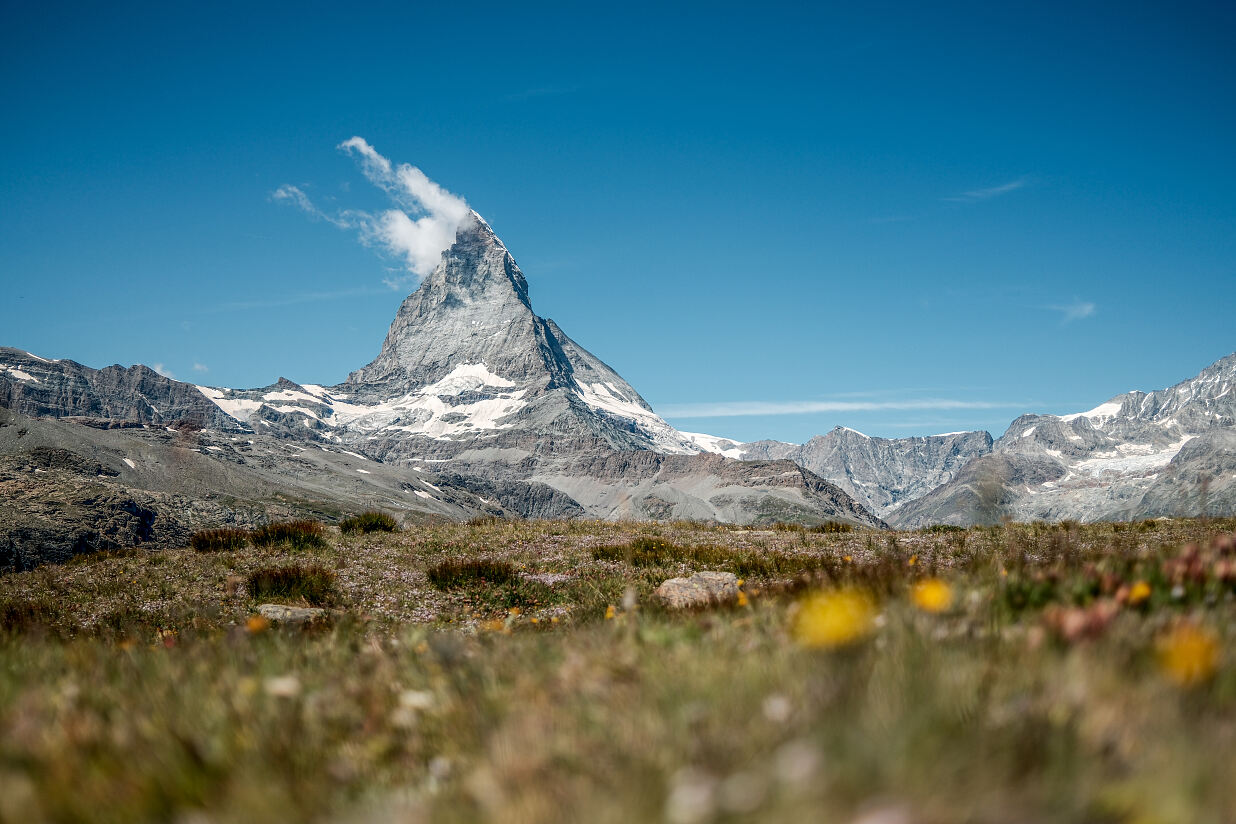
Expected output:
(976, 195)
(736, 409)
(1077, 310)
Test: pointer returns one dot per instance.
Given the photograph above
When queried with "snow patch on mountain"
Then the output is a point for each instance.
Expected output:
(711, 443)
(1104, 410)
(20, 375)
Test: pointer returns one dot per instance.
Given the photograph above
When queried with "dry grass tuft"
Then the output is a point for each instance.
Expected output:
(294, 534)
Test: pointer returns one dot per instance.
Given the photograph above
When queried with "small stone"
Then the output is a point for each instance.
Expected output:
(700, 590)
(291, 616)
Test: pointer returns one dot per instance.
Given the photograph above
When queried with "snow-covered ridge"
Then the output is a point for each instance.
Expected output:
(606, 397)
(1104, 410)
(420, 412)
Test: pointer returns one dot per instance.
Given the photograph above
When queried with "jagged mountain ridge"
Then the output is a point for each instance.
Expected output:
(880, 473)
(1140, 454)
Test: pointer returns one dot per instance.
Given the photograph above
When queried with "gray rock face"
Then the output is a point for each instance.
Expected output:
(289, 616)
(880, 473)
(1141, 454)
(38, 387)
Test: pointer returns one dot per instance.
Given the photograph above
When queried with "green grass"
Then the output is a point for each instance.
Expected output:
(293, 534)
(368, 522)
(136, 690)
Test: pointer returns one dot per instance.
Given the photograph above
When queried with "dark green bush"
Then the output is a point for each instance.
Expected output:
(313, 583)
(938, 528)
(832, 527)
(369, 522)
(211, 540)
(453, 573)
(303, 534)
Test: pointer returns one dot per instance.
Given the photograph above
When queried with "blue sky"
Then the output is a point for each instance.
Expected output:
(898, 219)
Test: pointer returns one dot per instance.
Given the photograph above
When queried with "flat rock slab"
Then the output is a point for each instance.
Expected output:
(291, 616)
(700, 590)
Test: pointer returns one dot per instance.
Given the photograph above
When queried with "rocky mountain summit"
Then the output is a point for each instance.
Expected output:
(474, 405)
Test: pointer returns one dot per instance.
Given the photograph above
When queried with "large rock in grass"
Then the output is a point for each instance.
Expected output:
(702, 589)
(292, 616)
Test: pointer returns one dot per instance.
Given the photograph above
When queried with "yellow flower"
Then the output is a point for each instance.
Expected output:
(514, 611)
(610, 612)
(1138, 593)
(742, 599)
(1189, 654)
(256, 624)
(849, 559)
(835, 618)
(913, 560)
(932, 595)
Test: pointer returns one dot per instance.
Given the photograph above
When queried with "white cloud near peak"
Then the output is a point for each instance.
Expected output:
(416, 233)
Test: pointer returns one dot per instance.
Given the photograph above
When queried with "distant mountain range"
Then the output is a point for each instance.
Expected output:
(1139, 455)
(476, 405)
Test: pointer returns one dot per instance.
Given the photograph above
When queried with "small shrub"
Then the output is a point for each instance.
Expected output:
(941, 528)
(367, 522)
(211, 540)
(313, 583)
(832, 527)
(21, 617)
(303, 534)
(453, 574)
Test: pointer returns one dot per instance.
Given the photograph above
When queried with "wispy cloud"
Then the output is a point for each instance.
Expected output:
(163, 370)
(200, 367)
(1077, 310)
(976, 195)
(295, 196)
(417, 232)
(733, 409)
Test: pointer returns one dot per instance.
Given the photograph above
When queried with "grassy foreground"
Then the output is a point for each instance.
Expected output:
(1021, 673)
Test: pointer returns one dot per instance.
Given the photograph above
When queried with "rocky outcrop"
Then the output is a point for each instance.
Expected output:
(880, 473)
(136, 395)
